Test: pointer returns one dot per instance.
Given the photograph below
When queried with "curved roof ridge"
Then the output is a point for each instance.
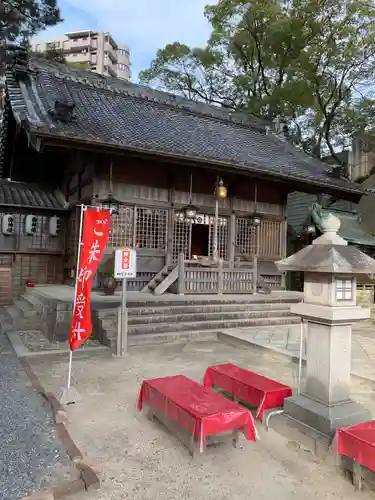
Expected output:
(113, 113)
(137, 91)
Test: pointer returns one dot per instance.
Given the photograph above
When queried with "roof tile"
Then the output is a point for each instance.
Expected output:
(113, 112)
(21, 194)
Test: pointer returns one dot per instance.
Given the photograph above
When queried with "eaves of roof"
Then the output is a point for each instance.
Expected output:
(117, 115)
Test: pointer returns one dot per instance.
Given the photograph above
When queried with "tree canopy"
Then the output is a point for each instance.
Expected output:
(22, 19)
(311, 62)
(52, 53)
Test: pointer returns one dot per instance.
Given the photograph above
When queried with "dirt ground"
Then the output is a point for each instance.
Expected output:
(141, 460)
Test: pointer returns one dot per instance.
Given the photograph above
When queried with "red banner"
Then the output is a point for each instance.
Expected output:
(96, 226)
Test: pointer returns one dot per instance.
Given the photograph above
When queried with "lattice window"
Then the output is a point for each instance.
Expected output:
(222, 237)
(245, 237)
(263, 240)
(344, 289)
(73, 230)
(269, 238)
(181, 236)
(41, 238)
(151, 228)
(122, 228)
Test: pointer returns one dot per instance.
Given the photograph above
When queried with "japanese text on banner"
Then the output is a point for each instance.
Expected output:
(96, 226)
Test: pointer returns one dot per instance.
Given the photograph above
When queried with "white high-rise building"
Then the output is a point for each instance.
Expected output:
(93, 50)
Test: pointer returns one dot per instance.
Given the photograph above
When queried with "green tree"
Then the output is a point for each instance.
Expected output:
(22, 19)
(310, 61)
(52, 53)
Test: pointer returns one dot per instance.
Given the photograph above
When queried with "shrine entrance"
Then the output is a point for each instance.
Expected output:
(200, 240)
(196, 237)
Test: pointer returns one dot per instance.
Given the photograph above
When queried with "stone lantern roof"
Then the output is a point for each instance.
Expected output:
(329, 254)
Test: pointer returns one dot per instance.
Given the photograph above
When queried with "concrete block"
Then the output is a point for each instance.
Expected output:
(325, 419)
(297, 432)
(59, 412)
(62, 316)
(68, 443)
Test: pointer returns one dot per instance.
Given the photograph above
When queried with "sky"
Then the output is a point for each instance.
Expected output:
(143, 25)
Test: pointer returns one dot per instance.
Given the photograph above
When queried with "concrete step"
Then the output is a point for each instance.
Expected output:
(12, 312)
(25, 308)
(32, 299)
(197, 317)
(5, 324)
(20, 316)
(185, 301)
(210, 325)
(207, 308)
(110, 322)
(111, 316)
(27, 324)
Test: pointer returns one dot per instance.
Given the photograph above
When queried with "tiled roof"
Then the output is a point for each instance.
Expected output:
(115, 113)
(21, 194)
(350, 229)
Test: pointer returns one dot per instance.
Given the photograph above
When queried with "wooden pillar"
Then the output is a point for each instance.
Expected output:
(181, 274)
(134, 236)
(283, 247)
(170, 222)
(255, 273)
(220, 277)
(232, 238)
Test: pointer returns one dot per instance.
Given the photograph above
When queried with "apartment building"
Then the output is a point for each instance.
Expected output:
(93, 50)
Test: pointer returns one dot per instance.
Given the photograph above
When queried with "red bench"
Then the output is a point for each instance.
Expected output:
(358, 444)
(182, 403)
(247, 386)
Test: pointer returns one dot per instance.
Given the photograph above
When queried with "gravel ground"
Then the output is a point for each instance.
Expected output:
(142, 460)
(31, 457)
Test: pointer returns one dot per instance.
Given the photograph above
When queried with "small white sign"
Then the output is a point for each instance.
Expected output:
(125, 263)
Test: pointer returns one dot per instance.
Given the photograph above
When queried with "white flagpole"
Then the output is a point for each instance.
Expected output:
(83, 209)
(64, 397)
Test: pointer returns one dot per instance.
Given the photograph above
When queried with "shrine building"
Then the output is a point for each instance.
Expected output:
(192, 186)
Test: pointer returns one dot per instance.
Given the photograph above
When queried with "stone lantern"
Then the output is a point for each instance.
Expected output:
(329, 309)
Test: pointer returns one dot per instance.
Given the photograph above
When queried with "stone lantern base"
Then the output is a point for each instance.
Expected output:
(328, 310)
(325, 419)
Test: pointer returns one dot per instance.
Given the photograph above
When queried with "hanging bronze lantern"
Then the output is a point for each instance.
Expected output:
(221, 192)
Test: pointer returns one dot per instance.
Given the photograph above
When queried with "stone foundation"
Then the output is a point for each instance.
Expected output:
(325, 419)
(55, 319)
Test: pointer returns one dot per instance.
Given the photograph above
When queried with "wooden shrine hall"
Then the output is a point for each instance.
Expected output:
(199, 191)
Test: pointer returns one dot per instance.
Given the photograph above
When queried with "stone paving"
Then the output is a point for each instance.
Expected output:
(141, 460)
(31, 457)
(287, 340)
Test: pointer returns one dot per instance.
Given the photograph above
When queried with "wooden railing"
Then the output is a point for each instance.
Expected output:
(217, 278)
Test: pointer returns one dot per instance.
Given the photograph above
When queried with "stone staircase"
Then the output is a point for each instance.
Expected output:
(154, 320)
(23, 314)
(162, 281)
(185, 319)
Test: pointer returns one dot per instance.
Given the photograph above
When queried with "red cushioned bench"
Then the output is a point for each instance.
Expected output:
(249, 387)
(182, 404)
(358, 444)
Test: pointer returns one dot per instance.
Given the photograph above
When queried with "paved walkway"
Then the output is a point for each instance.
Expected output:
(30, 455)
(286, 339)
